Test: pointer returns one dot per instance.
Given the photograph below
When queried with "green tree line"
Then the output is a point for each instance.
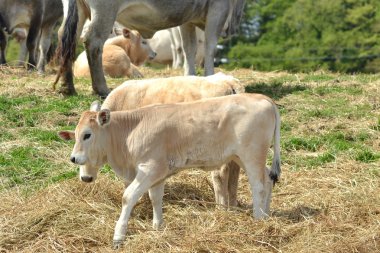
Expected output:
(306, 35)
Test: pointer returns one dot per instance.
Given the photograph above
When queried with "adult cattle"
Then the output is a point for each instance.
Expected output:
(147, 17)
(147, 145)
(38, 17)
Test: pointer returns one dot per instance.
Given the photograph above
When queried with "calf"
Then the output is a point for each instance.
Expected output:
(138, 93)
(149, 144)
(120, 55)
(38, 18)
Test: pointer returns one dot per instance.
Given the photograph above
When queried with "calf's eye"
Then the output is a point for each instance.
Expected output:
(86, 136)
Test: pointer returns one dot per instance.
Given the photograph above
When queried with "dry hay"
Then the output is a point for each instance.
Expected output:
(335, 208)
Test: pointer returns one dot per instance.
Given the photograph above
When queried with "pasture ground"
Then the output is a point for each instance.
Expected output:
(327, 199)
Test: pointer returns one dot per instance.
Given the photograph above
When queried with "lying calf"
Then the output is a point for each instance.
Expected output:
(121, 54)
(152, 143)
(138, 93)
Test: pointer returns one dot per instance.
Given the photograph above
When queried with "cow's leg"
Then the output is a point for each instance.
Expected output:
(176, 45)
(233, 181)
(220, 182)
(189, 45)
(67, 83)
(45, 42)
(32, 39)
(23, 53)
(146, 177)
(225, 181)
(3, 46)
(216, 17)
(254, 165)
(97, 34)
(156, 193)
(268, 185)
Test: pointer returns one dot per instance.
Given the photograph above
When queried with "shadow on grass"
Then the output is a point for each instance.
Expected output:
(274, 89)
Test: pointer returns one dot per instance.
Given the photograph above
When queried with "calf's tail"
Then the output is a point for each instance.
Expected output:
(67, 44)
(276, 167)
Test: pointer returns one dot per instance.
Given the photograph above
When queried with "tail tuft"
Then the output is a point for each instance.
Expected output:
(276, 167)
(275, 172)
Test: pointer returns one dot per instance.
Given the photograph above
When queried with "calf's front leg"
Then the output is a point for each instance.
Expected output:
(145, 179)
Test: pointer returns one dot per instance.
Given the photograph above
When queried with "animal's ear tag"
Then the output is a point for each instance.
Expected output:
(66, 135)
(95, 106)
(104, 117)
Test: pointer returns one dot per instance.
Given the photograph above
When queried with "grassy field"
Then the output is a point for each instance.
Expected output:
(327, 200)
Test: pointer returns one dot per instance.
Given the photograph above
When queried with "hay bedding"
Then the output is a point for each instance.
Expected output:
(310, 213)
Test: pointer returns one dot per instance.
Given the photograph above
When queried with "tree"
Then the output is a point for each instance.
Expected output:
(303, 35)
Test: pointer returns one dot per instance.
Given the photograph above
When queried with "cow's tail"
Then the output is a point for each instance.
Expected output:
(276, 167)
(67, 44)
(234, 17)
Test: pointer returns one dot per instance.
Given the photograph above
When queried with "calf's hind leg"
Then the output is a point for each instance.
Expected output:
(258, 180)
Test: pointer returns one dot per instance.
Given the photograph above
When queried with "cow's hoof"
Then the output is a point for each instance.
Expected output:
(66, 91)
(117, 244)
(41, 72)
(102, 94)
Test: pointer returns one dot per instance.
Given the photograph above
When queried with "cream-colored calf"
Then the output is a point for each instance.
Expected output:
(138, 93)
(149, 144)
(121, 55)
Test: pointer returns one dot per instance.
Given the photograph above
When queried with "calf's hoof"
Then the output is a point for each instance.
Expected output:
(117, 244)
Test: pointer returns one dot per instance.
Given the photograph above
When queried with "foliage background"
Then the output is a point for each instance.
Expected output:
(306, 35)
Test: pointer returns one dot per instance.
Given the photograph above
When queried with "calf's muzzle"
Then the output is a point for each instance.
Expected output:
(87, 179)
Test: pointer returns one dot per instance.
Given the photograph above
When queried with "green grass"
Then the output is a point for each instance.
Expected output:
(326, 119)
(29, 126)
(336, 102)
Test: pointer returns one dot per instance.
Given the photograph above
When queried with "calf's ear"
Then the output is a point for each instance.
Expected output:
(126, 33)
(104, 117)
(67, 135)
(95, 106)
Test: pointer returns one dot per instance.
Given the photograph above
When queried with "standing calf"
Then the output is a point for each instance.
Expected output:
(149, 144)
(138, 93)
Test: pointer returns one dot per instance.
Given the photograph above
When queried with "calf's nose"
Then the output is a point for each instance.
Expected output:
(86, 179)
(72, 159)
(152, 55)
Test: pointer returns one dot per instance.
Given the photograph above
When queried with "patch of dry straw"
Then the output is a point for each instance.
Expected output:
(335, 209)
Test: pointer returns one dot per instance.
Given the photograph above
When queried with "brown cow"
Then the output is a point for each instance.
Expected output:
(149, 144)
(121, 54)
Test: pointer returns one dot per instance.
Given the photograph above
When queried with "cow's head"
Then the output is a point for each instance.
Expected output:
(89, 149)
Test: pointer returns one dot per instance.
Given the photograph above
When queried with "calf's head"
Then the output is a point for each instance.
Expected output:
(90, 140)
(140, 50)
